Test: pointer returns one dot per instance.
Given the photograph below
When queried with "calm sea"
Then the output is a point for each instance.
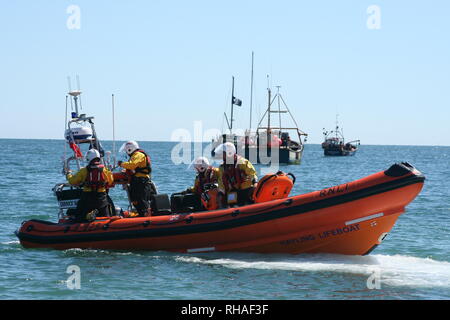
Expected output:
(412, 263)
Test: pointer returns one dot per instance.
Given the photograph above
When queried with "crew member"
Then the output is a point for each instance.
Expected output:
(206, 175)
(96, 180)
(141, 187)
(237, 176)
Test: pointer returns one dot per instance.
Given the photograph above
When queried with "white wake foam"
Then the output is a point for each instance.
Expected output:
(394, 270)
(11, 242)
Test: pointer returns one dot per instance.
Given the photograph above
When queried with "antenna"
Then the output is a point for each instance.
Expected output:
(226, 118)
(75, 94)
(114, 136)
(251, 93)
(268, 103)
(337, 125)
(78, 82)
(232, 104)
(279, 105)
(69, 86)
(78, 86)
(65, 128)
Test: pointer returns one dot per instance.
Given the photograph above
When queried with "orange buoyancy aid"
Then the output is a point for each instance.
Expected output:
(210, 199)
(95, 178)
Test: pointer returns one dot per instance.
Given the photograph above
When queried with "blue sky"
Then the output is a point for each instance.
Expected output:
(170, 63)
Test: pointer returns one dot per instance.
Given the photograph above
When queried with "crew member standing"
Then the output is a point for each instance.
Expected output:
(139, 165)
(96, 180)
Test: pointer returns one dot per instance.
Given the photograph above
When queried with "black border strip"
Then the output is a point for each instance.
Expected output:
(238, 221)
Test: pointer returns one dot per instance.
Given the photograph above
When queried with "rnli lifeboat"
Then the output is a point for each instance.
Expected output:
(351, 218)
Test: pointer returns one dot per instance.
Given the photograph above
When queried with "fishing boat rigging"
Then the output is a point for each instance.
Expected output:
(270, 143)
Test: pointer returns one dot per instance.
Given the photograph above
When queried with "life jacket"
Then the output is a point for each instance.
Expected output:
(233, 176)
(206, 177)
(147, 169)
(210, 199)
(95, 178)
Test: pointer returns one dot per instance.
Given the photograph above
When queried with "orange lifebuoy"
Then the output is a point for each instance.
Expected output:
(273, 187)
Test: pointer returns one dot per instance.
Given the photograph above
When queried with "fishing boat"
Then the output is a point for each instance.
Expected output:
(271, 143)
(287, 142)
(351, 218)
(334, 143)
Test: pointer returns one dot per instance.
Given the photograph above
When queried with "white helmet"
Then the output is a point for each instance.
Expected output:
(129, 147)
(200, 164)
(92, 154)
(228, 148)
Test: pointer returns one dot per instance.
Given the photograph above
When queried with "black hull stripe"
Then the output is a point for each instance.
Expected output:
(238, 221)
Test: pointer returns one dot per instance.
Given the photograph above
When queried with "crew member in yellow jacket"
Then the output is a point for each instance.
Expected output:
(96, 180)
(237, 176)
(141, 186)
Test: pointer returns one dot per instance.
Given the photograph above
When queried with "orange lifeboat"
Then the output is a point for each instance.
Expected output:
(351, 218)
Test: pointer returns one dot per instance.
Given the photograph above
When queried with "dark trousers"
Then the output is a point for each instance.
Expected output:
(90, 201)
(140, 191)
(245, 196)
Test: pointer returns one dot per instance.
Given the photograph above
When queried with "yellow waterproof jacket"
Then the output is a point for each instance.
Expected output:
(137, 160)
(81, 176)
(244, 172)
(210, 176)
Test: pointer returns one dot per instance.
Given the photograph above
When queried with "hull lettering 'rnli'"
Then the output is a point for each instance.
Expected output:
(334, 190)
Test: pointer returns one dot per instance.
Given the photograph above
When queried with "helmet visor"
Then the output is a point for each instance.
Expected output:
(199, 164)
(129, 147)
(122, 148)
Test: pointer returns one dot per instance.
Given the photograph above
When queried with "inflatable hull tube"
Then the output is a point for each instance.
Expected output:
(352, 218)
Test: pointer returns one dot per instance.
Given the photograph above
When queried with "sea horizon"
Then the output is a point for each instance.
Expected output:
(206, 142)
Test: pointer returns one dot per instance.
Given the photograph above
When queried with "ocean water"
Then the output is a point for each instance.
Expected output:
(412, 263)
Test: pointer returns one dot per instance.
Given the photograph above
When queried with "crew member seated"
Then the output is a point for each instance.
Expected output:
(237, 176)
(195, 198)
(205, 174)
(96, 180)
